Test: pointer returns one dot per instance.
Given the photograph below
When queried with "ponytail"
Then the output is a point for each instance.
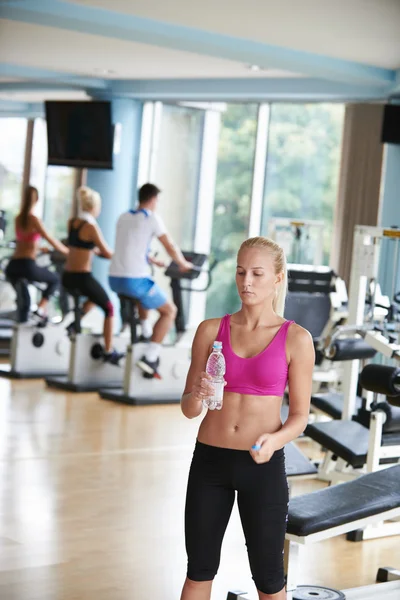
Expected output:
(27, 204)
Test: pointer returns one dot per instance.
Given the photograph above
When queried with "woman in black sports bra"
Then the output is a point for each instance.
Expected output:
(84, 240)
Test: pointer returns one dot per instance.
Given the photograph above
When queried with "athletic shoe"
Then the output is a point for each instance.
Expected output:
(114, 357)
(144, 339)
(149, 368)
(41, 320)
(71, 329)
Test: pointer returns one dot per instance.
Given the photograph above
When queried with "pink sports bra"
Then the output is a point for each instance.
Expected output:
(21, 236)
(262, 375)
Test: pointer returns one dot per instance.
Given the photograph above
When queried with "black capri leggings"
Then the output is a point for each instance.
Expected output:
(262, 492)
(89, 287)
(19, 271)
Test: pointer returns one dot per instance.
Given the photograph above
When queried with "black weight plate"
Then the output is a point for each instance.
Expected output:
(315, 592)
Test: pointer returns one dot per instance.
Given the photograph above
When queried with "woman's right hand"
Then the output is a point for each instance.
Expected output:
(202, 387)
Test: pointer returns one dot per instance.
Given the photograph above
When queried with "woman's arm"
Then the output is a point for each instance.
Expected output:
(97, 237)
(197, 385)
(301, 365)
(59, 246)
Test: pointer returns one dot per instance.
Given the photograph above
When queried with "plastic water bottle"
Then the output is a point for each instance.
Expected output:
(216, 368)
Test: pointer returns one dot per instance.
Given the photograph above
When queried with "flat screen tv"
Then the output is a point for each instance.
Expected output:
(391, 124)
(80, 134)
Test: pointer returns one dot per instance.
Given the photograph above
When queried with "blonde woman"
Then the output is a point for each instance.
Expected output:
(84, 240)
(240, 448)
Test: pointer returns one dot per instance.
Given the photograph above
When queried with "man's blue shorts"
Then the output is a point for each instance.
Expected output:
(144, 289)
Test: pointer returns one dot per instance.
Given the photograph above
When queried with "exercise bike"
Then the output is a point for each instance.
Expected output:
(174, 359)
(86, 369)
(8, 314)
(37, 351)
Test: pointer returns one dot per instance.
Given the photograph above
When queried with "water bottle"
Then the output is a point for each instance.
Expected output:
(216, 368)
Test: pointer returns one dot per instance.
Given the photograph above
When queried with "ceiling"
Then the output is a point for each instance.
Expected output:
(214, 50)
(365, 31)
(97, 56)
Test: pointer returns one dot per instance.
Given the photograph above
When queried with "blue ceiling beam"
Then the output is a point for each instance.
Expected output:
(250, 89)
(108, 23)
(46, 86)
(47, 76)
(25, 110)
(395, 91)
(223, 90)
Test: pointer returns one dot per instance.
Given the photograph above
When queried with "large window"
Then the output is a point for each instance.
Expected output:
(232, 203)
(56, 185)
(12, 153)
(303, 165)
(176, 170)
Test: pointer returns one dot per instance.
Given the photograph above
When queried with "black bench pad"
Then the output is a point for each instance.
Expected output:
(331, 403)
(297, 463)
(347, 439)
(364, 497)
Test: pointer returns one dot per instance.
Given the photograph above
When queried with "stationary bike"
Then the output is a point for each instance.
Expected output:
(86, 370)
(174, 359)
(37, 351)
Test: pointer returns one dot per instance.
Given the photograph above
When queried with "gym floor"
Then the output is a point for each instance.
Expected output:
(92, 497)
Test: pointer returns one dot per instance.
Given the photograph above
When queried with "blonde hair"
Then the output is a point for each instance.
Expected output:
(279, 257)
(88, 199)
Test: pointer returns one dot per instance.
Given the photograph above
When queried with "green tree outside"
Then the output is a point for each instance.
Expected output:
(302, 172)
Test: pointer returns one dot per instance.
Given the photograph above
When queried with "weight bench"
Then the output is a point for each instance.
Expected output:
(340, 509)
(316, 300)
(367, 445)
(331, 403)
(336, 510)
(339, 350)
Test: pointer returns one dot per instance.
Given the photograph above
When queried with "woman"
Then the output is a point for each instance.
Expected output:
(85, 239)
(22, 266)
(240, 448)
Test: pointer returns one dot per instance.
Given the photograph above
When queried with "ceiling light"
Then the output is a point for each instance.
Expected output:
(104, 71)
(254, 68)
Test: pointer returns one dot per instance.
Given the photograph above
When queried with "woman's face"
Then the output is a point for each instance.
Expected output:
(256, 279)
(96, 210)
(35, 198)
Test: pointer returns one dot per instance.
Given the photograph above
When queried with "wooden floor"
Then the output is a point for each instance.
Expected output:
(92, 497)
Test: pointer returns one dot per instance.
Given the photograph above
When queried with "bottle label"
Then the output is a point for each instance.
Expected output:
(219, 391)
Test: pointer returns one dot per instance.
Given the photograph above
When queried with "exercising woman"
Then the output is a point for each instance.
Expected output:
(22, 267)
(85, 239)
(240, 448)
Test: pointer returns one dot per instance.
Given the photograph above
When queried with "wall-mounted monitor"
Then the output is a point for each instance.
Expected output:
(80, 134)
(391, 124)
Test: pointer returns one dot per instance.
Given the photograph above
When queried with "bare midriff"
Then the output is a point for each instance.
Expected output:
(242, 419)
(79, 260)
(26, 250)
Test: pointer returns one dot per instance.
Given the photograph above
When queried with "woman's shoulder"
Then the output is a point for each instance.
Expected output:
(211, 323)
(299, 337)
(209, 326)
(32, 221)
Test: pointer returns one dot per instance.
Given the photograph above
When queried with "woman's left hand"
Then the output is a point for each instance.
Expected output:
(263, 448)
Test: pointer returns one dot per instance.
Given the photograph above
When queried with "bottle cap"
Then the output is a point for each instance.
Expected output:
(217, 345)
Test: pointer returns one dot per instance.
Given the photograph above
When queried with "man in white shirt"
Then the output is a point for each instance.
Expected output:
(130, 272)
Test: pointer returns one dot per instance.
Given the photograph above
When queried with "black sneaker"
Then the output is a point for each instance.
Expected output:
(144, 339)
(42, 320)
(113, 357)
(149, 368)
(71, 329)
